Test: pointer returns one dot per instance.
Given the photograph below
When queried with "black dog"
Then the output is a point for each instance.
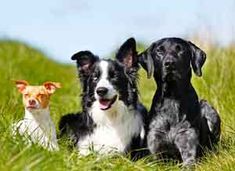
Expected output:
(112, 118)
(179, 125)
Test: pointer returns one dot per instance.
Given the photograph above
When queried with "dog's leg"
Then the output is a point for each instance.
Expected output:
(156, 143)
(212, 120)
(187, 143)
(156, 138)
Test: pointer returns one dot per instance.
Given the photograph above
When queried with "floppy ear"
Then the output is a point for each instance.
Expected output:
(85, 59)
(198, 58)
(51, 86)
(21, 85)
(127, 54)
(146, 61)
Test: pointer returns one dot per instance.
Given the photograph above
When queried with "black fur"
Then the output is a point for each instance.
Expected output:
(178, 122)
(122, 74)
(69, 125)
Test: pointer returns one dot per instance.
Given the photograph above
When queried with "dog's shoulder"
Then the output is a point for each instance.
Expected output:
(206, 108)
(212, 118)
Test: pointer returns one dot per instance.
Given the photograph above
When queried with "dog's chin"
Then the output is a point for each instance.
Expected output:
(32, 108)
(171, 76)
(105, 104)
(167, 76)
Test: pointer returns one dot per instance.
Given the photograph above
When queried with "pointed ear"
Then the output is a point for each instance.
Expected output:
(51, 86)
(85, 59)
(21, 85)
(127, 54)
(146, 61)
(198, 58)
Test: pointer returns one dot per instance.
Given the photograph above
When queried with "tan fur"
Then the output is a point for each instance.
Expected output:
(39, 93)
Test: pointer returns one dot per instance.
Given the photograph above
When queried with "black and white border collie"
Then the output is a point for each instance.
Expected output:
(112, 119)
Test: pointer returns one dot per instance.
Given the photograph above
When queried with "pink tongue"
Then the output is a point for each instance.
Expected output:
(104, 104)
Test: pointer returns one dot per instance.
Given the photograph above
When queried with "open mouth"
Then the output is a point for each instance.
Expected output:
(105, 104)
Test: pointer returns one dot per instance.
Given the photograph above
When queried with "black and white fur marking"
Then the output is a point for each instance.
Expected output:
(112, 118)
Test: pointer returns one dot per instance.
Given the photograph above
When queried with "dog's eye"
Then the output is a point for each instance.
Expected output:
(178, 48)
(160, 50)
(26, 95)
(95, 78)
(40, 94)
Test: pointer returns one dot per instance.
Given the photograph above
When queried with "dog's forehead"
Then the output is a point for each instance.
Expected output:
(36, 90)
(106, 65)
(172, 42)
(103, 65)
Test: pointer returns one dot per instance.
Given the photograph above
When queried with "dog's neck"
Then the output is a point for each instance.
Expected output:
(174, 89)
(40, 116)
(40, 127)
(180, 90)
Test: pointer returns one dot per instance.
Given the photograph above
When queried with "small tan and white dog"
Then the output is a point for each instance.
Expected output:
(37, 125)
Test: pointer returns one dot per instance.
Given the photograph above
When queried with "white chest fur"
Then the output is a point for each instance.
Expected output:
(115, 129)
(38, 127)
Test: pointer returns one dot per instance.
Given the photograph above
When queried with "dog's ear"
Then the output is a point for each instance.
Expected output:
(198, 58)
(85, 59)
(21, 85)
(51, 86)
(146, 61)
(127, 54)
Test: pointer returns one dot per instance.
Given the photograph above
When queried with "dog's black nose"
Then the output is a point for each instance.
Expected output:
(168, 63)
(102, 91)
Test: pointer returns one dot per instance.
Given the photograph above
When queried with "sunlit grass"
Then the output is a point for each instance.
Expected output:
(18, 61)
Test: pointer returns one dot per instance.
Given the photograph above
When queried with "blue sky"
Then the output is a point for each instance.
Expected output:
(63, 27)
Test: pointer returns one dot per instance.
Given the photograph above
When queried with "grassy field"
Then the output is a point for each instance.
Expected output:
(19, 61)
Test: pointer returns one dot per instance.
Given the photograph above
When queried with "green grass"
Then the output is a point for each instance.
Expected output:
(19, 61)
